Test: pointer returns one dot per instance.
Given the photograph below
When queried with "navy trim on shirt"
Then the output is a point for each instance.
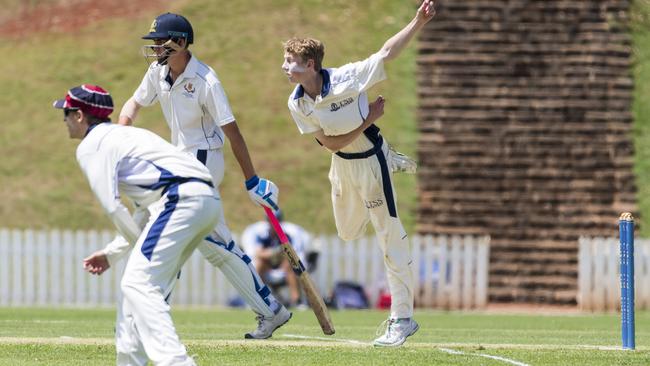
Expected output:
(300, 91)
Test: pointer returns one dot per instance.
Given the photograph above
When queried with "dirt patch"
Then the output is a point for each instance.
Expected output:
(68, 16)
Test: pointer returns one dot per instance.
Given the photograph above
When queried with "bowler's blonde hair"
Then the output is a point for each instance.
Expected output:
(307, 48)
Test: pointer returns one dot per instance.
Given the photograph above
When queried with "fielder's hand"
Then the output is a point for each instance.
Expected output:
(263, 191)
(96, 263)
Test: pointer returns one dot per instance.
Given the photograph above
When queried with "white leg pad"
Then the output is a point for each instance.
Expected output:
(240, 272)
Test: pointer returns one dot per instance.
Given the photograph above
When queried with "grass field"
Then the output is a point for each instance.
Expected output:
(83, 337)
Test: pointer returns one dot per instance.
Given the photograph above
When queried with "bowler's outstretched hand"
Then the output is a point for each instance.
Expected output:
(426, 11)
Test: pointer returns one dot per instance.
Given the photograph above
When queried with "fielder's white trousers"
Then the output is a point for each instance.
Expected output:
(144, 326)
(362, 192)
(221, 251)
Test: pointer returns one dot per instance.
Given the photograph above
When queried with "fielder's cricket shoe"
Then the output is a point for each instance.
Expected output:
(396, 332)
(266, 326)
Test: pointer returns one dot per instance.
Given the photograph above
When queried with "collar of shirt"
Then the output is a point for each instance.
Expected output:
(188, 73)
(300, 91)
(91, 127)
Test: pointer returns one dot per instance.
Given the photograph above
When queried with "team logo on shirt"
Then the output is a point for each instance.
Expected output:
(336, 106)
(189, 90)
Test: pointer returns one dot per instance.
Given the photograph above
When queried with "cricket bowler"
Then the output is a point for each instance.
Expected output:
(331, 105)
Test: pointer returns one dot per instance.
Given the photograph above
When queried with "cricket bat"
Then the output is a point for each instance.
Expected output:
(314, 299)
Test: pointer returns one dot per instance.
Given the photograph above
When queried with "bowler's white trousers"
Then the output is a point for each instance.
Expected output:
(362, 191)
(178, 223)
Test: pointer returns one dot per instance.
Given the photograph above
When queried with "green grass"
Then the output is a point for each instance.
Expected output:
(42, 186)
(81, 337)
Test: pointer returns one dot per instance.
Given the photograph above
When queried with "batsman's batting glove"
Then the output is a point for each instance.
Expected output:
(263, 191)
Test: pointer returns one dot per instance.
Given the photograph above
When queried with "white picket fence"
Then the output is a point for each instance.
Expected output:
(599, 286)
(44, 268)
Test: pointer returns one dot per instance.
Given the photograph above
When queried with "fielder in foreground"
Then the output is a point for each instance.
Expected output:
(332, 106)
(197, 111)
(183, 204)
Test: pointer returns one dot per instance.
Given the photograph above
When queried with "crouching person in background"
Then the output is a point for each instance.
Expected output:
(175, 189)
(261, 242)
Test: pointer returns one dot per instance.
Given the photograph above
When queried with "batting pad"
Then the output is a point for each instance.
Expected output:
(241, 273)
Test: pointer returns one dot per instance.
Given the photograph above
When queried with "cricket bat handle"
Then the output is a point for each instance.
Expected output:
(313, 297)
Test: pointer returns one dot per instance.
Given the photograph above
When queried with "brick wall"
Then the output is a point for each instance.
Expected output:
(525, 134)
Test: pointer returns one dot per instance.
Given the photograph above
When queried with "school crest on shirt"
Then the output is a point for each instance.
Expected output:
(336, 106)
(189, 90)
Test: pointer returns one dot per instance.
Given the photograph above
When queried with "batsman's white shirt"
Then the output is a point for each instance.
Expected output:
(362, 188)
(195, 106)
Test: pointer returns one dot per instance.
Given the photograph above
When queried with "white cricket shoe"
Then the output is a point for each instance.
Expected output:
(396, 332)
(266, 326)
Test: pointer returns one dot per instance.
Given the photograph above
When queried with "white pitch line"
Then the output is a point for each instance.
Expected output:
(351, 341)
(506, 360)
(308, 341)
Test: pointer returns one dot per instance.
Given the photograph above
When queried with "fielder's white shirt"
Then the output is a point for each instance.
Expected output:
(195, 107)
(342, 104)
(139, 164)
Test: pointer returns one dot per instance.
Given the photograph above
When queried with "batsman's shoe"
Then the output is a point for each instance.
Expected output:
(397, 330)
(266, 326)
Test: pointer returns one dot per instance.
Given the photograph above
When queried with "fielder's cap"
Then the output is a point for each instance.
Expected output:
(170, 25)
(91, 99)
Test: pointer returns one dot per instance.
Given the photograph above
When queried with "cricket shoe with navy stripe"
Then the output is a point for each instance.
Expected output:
(397, 330)
(266, 326)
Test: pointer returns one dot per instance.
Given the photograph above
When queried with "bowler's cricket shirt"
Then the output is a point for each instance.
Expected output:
(342, 104)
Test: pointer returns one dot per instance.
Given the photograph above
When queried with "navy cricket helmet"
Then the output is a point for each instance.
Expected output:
(170, 25)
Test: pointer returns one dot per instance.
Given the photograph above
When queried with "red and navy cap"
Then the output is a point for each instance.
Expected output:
(91, 99)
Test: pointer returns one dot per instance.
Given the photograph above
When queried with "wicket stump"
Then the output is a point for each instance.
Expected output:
(626, 231)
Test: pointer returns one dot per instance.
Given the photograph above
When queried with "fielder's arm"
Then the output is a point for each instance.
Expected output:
(336, 143)
(101, 260)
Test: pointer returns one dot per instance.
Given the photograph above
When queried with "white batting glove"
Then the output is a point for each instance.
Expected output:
(263, 192)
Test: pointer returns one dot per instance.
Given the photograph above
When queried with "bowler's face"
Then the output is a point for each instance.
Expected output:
(294, 67)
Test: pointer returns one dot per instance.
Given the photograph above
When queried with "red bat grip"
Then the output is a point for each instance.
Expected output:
(276, 225)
